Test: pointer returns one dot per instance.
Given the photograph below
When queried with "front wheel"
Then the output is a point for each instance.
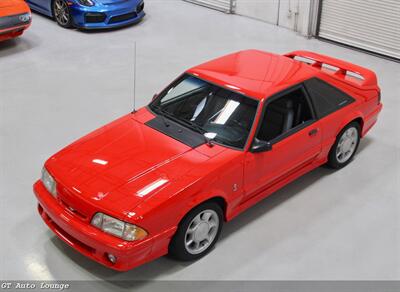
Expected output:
(62, 13)
(345, 146)
(197, 233)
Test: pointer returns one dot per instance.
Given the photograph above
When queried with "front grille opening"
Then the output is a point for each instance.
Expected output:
(13, 20)
(123, 17)
(140, 7)
(40, 209)
(72, 210)
(95, 17)
(75, 242)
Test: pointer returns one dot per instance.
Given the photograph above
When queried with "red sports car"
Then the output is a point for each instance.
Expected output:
(223, 136)
(15, 18)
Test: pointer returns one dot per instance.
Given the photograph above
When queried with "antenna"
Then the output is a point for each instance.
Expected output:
(134, 78)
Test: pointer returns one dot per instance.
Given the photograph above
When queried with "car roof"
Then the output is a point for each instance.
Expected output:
(254, 73)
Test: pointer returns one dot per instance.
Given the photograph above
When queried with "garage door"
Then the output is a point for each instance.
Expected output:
(223, 5)
(373, 25)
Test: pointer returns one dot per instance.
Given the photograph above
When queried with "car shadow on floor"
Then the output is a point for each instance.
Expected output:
(139, 276)
(109, 30)
(15, 46)
(364, 143)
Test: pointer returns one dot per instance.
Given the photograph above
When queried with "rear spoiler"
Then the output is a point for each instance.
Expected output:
(342, 68)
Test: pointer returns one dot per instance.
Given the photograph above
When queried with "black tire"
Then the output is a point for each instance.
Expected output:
(65, 23)
(333, 160)
(177, 247)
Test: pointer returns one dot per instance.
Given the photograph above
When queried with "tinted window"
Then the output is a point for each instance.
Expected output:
(283, 114)
(326, 98)
(190, 84)
(215, 112)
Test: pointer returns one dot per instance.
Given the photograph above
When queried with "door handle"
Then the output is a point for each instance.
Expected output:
(313, 132)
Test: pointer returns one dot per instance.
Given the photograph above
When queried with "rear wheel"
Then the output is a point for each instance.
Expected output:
(197, 233)
(345, 146)
(62, 13)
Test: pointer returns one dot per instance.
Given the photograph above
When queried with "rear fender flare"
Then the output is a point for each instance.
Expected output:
(350, 118)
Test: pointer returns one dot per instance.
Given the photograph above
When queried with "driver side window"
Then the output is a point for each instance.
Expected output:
(283, 114)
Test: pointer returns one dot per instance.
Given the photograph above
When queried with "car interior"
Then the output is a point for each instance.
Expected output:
(283, 114)
(226, 114)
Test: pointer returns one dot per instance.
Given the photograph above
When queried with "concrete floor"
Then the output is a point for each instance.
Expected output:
(56, 85)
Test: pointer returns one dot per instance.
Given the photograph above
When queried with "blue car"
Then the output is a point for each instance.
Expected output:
(91, 14)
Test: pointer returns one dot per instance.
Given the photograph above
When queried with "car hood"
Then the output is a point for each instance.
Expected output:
(118, 166)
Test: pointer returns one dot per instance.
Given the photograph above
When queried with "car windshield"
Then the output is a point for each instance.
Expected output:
(217, 113)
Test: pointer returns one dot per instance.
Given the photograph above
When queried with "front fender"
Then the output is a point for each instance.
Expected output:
(224, 182)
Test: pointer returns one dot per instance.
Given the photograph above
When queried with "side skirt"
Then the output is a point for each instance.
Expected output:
(273, 188)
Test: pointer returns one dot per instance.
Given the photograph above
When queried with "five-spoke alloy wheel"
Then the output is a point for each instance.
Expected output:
(345, 146)
(198, 232)
(201, 231)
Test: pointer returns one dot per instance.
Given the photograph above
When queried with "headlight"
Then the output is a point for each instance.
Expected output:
(117, 227)
(49, 182)
(86, 2)
(26, 17)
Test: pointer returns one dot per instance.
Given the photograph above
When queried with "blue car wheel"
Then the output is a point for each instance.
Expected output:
(62, 13)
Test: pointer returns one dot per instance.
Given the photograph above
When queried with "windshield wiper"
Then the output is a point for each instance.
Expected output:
(192, 125)
(200, 130)
(163, 112)
(195, 126)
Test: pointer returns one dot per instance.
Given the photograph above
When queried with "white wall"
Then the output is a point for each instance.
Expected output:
(292, 14)
(265, 10)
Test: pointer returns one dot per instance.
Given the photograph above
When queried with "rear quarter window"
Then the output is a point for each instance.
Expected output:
(325, 97)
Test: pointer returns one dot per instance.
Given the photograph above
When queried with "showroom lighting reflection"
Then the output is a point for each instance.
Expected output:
(151, 187)
(232, 87)
(37, 269)
(100, 161)
(226, 112)
(210, 135)
(76, 190)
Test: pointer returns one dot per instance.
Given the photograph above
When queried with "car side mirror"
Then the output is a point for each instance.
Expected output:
(261, 146)
(154, 96)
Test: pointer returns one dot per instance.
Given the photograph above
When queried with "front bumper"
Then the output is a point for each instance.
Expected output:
(11, 26)
(107, 17)
(91, 241)
(11, 33)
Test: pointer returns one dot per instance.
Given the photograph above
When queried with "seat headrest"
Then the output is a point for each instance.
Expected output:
(289, 104)
(283, 105)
